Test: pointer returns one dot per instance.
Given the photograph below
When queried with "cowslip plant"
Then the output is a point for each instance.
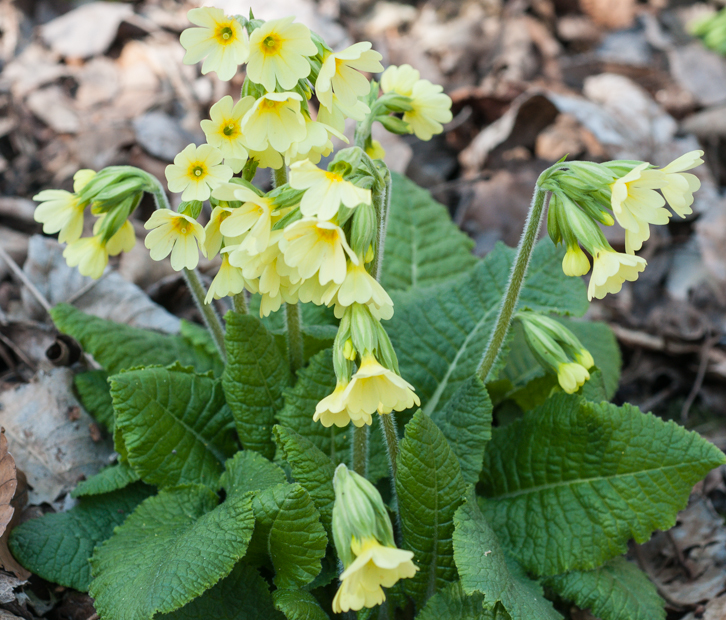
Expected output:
(499, 482)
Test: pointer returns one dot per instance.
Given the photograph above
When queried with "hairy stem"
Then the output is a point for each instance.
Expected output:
(240, 303)
(293, 318)
(390, 434)
(360, 450)
(381, 203)
(279, 176)
(540, 200)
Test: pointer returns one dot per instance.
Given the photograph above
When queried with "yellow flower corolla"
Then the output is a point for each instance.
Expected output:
(228, 281)
(123, 240)
(431, 109)
(314, 246)
(224, 130)
(335, 116)
(571, 376)
(252, 219)
(213, 236)
(320, 294)
(333, 410)
(274, 121)
(89, 254)
(399, 80)
(575, 263)
(340, 74)
(375, 150)
(177, 234)
(196, 171)
(362, 288)
(325, 190)
(375, 388)
(278, 54)
(636, 204)
(316, 144)
(679, 185)
(374, 566)
(610, 270)
(62, 212)
(221, 40)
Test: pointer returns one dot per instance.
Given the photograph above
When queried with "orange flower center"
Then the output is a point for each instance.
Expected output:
(224, 34)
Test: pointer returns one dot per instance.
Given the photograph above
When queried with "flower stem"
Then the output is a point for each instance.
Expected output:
(360, 450)
(240, 303)
(279, 176)
(390, 434)
(191, 277)
(540, 201)
(381, 203)
(294, 337)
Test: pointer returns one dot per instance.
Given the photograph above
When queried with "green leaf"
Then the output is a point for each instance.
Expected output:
(312, 469)
(241, 595)
(255, 376)
(289, 530)
(440, 334)
(175, 424)
(92, 388)
(111, 478)
(298, 605)
(57, 546)
(571, 482)
(250, 471)
(599, 339)
(485, 569)
(615, 591)
(466, 422)
(453, 603)
(116, 346)
(315, 339)
(172, 548)
(430, 488)
(423, 246)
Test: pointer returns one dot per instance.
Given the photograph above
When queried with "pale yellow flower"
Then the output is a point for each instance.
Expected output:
(373, 567)
(269, 158)
(123, 240)
(314, 246)
(340, 74)
(62, 212)
(196, 171)
(311, 291)
(361, 287)
(636, 204)
(252, 219)
(89, 254)
(431, 109)
(572, 376)
(274, 121)
(375, 388)
(375, 150)
(333, 410)
(335, 116)
(278, 54)
(316, 144)
(679, 185)
(213, 236)
(177, 234)
(228, 281)
(399, 80)
(224, 130)
(221, 40)
(575, 263)
(325, 190)
(610, 270)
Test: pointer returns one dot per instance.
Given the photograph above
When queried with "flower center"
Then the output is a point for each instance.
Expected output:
(271, 44)
(332, 176)
(224, 35)
(196, 171)
(230, 129)
(328, 235)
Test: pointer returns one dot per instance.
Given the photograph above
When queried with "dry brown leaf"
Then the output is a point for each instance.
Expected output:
(613, 14)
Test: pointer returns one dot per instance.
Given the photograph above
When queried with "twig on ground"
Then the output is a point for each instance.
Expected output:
(708, 344)
(24, 279)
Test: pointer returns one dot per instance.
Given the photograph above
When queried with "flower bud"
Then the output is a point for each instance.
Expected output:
(394, 124)
(393, 102)
(363, 328)
(363, 228)
(192, 208)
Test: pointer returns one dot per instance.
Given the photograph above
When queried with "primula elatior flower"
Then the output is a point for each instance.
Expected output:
(575, 262)
(228, 281)
(316, 144)
(313, 246)
(325, 190)
(610, 270)
(333, 410)
(375, 150)
(374, 566)
(224, 130)
(361, 287)
(89, 254)
(213, 236)
(123, 240)
(431, 109)
(62, 212)
(335, 116)
(278, 54)
(253, 218)
(572, 376)
(177, 234)
(636, 204)
(221, 40)
(679, 185)
(196, 171)
(375, 388)
(274, 121)
(399, 80)
(340, 74)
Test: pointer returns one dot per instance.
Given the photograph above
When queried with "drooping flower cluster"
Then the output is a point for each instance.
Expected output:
(632, 193)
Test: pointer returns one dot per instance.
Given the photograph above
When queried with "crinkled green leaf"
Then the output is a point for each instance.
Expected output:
(430, 488)
(175, 424)
(311, 315)
(289, 530)
(250, 471)
(316, 338)
(92, 388)
(452, 603)
(312, 468)
(298, 605)
(466, 422)
(618, 590)
(241, 595)
(58, 546)
(423, 246)
(571, 482)
(116, 346)
(254, 379)
(172, 548)
(440, 334)
(109, 479)
(485, 569)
